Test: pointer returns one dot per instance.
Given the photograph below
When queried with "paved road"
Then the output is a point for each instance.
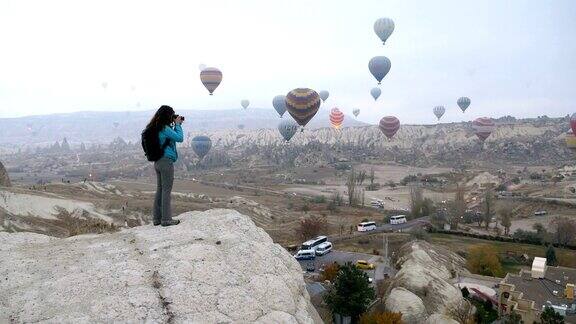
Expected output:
(342, 257)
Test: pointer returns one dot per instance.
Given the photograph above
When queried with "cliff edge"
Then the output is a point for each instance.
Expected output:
(215, 267)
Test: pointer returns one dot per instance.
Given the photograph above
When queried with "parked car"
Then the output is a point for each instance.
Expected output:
(361, 264)
(324, 248)
(305, 255)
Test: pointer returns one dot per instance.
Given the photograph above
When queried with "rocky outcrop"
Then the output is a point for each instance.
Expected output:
(4, 179)
(423, 279)
(215, 267)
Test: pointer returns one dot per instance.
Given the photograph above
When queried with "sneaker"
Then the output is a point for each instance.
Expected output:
(171, 222)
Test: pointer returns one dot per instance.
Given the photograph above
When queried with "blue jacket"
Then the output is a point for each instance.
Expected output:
(173, 135)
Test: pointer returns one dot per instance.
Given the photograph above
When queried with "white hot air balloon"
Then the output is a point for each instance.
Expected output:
(245, 103)
(383, 28)
(375, 92)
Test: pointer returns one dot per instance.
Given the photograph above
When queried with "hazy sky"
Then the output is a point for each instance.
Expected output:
(510, 57)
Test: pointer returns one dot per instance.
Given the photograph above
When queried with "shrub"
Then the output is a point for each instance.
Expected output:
(319, 199)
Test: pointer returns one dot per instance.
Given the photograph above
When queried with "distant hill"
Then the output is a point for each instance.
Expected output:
(103, 127)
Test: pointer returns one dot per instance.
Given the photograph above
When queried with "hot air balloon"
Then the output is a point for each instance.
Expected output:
(573, 123)
(211, 78)
(201, 145)
(201, 67)
(439, 111)
(287, 128)
(116, 124)
(240, 126)
(375, 92)
(336, 118)
(324, 95)
(379, 66)
(389, 125)
(356, 112)
(483, 127)
(279, 103)
(383, 28)
(463, 103)
(302, 104)
(104, 85)
(245, 103)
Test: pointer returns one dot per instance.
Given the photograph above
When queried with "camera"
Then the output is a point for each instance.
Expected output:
(176, 116)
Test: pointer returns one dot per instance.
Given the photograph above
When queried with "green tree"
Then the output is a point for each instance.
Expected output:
(551, 256)
(550, 316)
(512, 318)
(351, 293)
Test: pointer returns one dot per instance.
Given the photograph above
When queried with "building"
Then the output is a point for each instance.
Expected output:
(529, 292)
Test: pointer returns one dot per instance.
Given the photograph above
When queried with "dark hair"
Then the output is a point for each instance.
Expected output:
(163, 117)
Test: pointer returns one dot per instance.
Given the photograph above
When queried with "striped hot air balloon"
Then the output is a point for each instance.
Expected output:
(570, 140)
(463, 103)
(389, 125)
(211, 78)
(336, 118)
(383, 28)
(302, 104)
(439, 111)
(483, 127)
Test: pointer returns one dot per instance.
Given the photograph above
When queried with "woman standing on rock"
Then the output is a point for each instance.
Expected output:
(159, 142)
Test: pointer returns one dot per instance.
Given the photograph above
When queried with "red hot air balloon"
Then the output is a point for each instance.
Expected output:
(573, 123)
(211, 78)
(302, 104)
(483, 127)
(336, 118)
(389, 125)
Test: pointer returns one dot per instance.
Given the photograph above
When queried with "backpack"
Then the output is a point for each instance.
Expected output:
(151, 144)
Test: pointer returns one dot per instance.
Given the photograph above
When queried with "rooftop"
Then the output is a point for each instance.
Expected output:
(542, 290)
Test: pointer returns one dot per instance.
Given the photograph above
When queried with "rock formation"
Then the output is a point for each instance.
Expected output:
(4, 179)
(422, 288)
(215, 267)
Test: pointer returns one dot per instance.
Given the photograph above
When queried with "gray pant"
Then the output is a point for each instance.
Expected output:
(164, 178)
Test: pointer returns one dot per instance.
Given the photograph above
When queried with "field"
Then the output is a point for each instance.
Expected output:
(509, 253)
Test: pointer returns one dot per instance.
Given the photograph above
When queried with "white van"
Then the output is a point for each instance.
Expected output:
(398, 219)
(324, 248)
(305, 255)
(366, 226)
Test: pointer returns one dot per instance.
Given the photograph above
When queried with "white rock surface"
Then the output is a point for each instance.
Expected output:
(215, 267)
(426, 272)
(404, 301)
(440, 319)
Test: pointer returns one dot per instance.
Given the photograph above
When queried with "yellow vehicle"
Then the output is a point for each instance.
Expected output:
(361, 264)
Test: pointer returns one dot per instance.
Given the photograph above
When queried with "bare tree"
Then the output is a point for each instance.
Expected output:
(458, 207)
(564, 230)
(416, 199)
(361, 177)
(461, 311)
(505, 214)
(351, 187)
(372, 178)
(311, 227)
